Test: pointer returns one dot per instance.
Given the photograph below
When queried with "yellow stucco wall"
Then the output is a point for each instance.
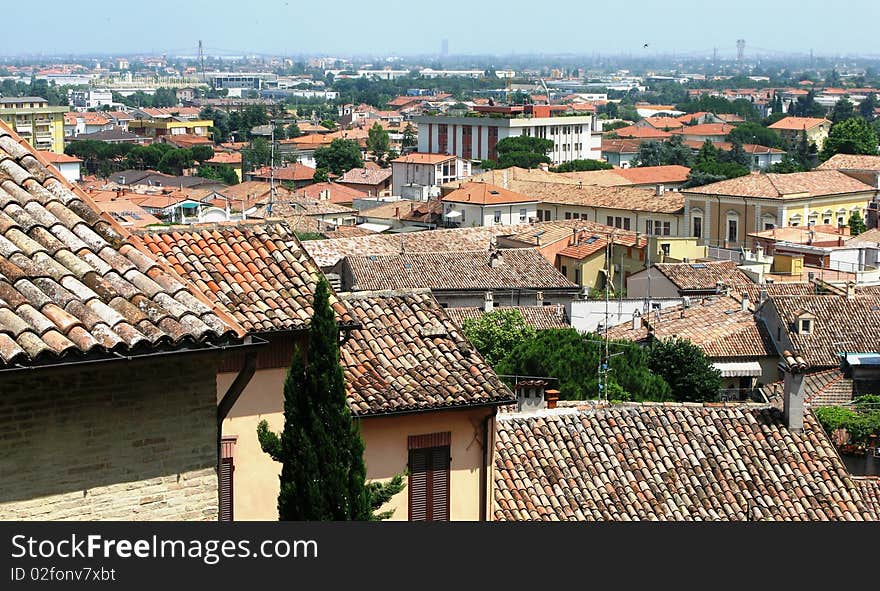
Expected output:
(255, 480)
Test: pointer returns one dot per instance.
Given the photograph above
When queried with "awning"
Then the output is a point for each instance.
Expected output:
(378, 228)
(736, 369)
(452, 214)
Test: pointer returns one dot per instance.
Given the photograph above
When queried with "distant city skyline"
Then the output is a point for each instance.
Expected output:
(286, 27)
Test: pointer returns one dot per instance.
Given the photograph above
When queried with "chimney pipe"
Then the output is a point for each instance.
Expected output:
(794, 368)
(488, 302)
(551, 397)
(744, 303)
(529, 395)
(636, 320)
(850, 290)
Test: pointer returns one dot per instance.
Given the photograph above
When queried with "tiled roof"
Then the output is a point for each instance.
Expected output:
(842, 324)
(546, 233)
(127, 213)
(485, 194)
(717, 325)
(707, 129)
(621, 146)
(643, 175)
(366, 176)
(258, 272)
(702, 276)
(631, 131)
(231, 158)
(869, 486)
(521, 268)
(53, 158)
(328, 253)
(335, 192)
(292, 172)
(428, 212)
(814, 183)
(798, 123)
(669, 462)
(851, 162)
(630, 198)
(828, 387)
(410, 356)
(422, 158)
(538, 317)
(664, 123)
(508, 177)
(287, 206)
(71, 283)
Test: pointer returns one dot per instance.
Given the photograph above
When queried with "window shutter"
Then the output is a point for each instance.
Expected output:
(418, 485)
(226, 470)
(440, 484)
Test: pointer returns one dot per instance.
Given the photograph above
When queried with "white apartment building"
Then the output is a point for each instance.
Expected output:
(419, 176)
(475, 137)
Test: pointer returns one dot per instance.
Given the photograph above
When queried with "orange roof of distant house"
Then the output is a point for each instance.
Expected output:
(582, 107)
(485, 194)
(691, 116)
(89, 118)
(314, 140)
(705, 129)
(232, 158)
(621, 146)
(663, 122)
(336, 193)
(798, 123)
(423, 158)
(54, 158)
(671, 173)
(186, 140)
(293, 172)
(631, 131)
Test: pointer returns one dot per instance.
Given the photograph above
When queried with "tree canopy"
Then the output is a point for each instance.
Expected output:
(496, 333)
(754, 133)
(339, 157)
(581, 165)
(686, 369)
(378, 141)
(850, 136)
(522, 151)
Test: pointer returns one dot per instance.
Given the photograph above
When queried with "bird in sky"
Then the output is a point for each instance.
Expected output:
(645, 45)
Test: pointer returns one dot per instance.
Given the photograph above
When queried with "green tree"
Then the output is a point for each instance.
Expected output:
(754, 133)
(323, 476)
(523, 151)
(378, 141)
(496, 333)
(257, 154)
(202, 153)
(650, 153)
(786, 166)
(676, 152)
(842, 110)
(218, 172)
(582, 165)
(686, 369)
(574, 360)
(321, 175)
(409, 137)
(176, 161)
(339, 157)
(868, 106)
(293, 131)
(857, 224)
(737, 155)
(851, 136)
(805, 151)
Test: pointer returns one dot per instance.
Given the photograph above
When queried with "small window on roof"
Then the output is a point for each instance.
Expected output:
(806, 326)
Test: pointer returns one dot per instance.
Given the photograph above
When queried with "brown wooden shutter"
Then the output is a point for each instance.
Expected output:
(429, 484)
(225, 477)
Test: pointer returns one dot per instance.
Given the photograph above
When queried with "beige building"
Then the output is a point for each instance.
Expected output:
(725, 213)
(35, 121)
(94, 337)
(424, 398)
(791, 128)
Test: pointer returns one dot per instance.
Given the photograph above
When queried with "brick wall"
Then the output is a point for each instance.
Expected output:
(124, 440)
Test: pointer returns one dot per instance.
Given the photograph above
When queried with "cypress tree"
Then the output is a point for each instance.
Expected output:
(323, 477)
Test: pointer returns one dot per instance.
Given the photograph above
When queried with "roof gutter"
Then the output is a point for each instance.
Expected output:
(395, 413)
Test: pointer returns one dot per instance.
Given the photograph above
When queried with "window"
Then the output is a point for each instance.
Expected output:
(665, 248)
(225, 478)
(568, 215)
(463, 212)
(667, 228)
(497, 216)
(564, 270)
(523, 214)
(577, 276)
(429, 462)
(806, 326)
(698, 227)
(732, 229)
(609, 220)
(626, 223)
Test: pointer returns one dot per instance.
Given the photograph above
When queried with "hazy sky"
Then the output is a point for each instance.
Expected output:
(389, 27)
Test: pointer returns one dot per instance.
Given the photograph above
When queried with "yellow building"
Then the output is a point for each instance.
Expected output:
(791, 128)
(424, 399)
(160, 127)
(35, 121)
(725, 213)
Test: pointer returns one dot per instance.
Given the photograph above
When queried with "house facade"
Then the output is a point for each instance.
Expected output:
(419, 176)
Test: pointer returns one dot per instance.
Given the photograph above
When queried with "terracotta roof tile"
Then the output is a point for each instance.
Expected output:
(521, 268)
(798, 123)
(365, 176)
(851, 162)
(814, 183)
(702, 276)
(485, 194)
(669, 462)
(67, 273)
(408, 356)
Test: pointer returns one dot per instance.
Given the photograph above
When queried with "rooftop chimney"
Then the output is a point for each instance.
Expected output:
(762, 296)
(539, 298)
(551, 397)
(850, 290)
(744, 303)
(488, 302)
(637, 320)
(496, 259)
(661, 189)
(530, 395)
(794, 368)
